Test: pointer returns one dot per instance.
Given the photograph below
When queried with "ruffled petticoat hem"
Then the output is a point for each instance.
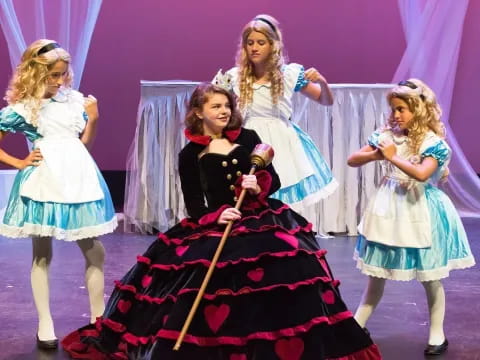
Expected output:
(74, 346)
(36, 230)
(413, 274)
(321, 194)
(300, 201)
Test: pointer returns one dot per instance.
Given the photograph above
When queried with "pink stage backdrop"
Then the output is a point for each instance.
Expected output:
(348, 41)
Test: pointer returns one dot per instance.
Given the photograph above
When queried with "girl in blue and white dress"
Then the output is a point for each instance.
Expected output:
(58, 191)
(265, 86)
(410, 228)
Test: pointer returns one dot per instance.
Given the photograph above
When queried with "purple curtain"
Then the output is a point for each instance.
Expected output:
(433, 30)
(69, 22)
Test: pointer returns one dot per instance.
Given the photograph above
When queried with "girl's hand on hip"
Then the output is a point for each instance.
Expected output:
(33, 159)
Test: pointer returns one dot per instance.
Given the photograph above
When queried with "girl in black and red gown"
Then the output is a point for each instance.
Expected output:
(272, 295)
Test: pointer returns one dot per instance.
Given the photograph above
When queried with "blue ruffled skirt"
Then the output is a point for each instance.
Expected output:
(314, 187)
(449, 250)
(25, 217)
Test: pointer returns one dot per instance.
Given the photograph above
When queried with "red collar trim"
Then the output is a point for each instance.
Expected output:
(231, 135)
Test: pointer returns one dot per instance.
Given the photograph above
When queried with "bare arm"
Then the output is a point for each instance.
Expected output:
(32, 159)
(420, 172)
(90, 131)
(317, 89)
(365, 155)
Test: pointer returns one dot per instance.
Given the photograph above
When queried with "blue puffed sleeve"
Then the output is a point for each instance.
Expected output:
(9, 120)
(374, 139)
(12, 122)
(301, 81)
(440, 151)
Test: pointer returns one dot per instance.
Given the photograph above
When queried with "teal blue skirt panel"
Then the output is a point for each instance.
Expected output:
(449, 249)
(314, 187)
(25, 217)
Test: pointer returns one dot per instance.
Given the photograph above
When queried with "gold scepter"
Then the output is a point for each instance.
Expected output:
(260, 158)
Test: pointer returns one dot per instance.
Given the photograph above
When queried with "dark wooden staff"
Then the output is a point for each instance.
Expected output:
(260, 158)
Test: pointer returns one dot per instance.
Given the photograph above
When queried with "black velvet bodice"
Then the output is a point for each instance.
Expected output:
(206, 184)
(219, 173)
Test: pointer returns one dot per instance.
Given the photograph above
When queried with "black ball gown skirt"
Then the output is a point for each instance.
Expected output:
(272, 296)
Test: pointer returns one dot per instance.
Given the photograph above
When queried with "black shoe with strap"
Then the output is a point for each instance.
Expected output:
(436, 349)
(47, 344)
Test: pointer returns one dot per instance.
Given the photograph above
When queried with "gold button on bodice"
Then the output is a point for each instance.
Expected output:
(234, 161)
(235, 198)
(224, 164)
(232, 187)
(229, 176)
(239, 173)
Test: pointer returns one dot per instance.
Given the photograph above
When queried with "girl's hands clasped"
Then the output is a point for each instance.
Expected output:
(388, 149)
(377, 155)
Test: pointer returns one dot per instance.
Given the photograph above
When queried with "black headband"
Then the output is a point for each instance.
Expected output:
(412, 86)
(274, 29)
(407, 83)
(47, 48)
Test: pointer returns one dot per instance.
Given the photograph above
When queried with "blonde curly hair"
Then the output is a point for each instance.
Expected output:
(422, 103)
(28, 83)
(268, 26)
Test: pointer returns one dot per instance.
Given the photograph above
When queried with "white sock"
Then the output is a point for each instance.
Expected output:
(371, 297)
(436, 307)
(94, 254)
(42, 256)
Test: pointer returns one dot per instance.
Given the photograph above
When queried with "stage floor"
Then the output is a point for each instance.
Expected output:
(399, 326)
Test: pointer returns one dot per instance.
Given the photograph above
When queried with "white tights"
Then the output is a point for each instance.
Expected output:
(436, 306)
(94, 254)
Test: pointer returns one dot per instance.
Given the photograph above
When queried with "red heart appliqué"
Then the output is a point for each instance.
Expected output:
(146, 281)
(180, 250)
(289, 349)
(329, 297)
(216, 316)
(123, 306)
(290, 239)
(256, 274)
(238, 357)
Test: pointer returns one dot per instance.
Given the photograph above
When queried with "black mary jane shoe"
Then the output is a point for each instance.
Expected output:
(47, 344)
(436, 349)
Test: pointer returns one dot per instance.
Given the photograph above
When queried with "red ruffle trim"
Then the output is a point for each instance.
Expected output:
(230, 340)
(189, 223)
(238, 229)
(145, 260)
(224, 292)
(78, 350)
(72, 344)
(212, 217)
